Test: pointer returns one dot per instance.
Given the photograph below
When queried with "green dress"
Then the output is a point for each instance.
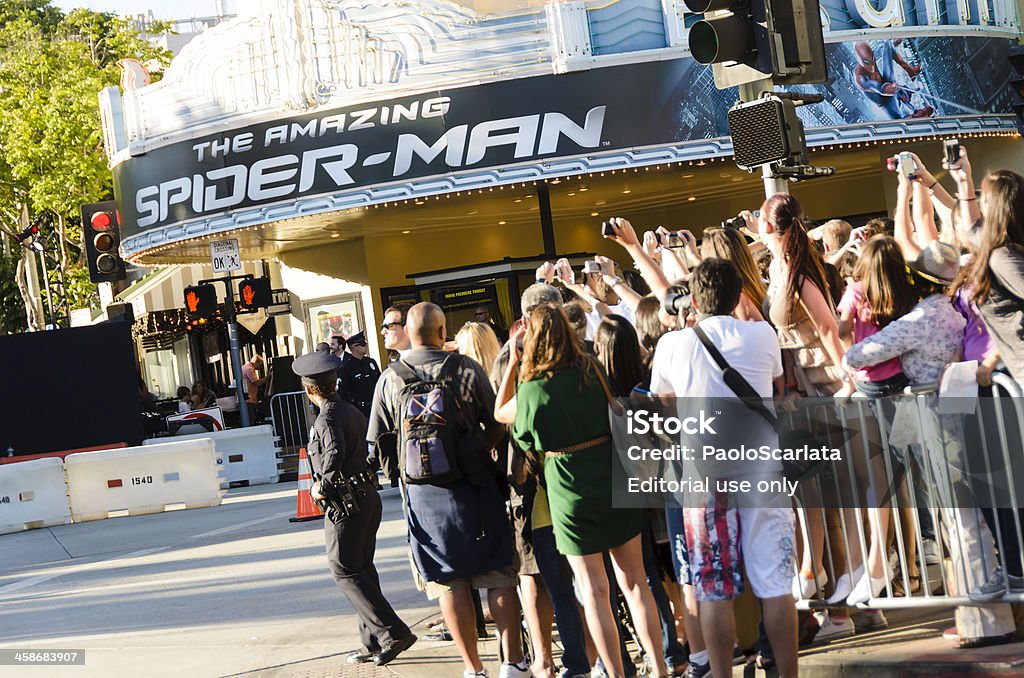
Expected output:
(554, 414)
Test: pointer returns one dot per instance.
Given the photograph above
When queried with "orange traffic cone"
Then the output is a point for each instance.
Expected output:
(305, 509)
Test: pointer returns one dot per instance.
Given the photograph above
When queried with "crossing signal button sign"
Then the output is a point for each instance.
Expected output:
(200, 301)
(255, 293)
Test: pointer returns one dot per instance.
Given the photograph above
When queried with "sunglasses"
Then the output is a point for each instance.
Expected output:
(358, 343)
(387, 326)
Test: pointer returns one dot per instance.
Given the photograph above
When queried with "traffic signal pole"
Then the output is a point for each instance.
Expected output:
(230, 317)
(236, 354)
(773, 183)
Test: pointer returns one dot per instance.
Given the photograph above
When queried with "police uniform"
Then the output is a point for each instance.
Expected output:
(358, 377)
(337, 449)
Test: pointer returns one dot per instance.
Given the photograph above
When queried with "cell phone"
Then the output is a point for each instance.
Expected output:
(735, 222)
(591, 266)
(607, 229)
(951, 148)
(676, 240)
(903, 162)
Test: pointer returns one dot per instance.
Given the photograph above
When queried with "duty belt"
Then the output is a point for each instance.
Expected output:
(363, 477)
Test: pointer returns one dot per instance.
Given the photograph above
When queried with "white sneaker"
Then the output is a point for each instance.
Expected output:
(832, 628)
(509, 670)
(804, 586)
(871, 620)
(931, 552)
(469, 673)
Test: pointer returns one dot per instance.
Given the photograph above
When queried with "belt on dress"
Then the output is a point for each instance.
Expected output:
(594, 442)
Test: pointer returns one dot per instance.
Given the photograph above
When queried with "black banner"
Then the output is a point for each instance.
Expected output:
(401, 139)
(525, 120)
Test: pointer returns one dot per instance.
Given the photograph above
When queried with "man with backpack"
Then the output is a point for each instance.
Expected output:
(440, 406)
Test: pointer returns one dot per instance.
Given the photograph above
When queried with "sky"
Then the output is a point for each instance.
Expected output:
(162, 9)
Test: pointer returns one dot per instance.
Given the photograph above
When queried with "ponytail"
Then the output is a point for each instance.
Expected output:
(784, 213)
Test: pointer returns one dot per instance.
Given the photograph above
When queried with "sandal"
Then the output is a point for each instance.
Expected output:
(897, 585)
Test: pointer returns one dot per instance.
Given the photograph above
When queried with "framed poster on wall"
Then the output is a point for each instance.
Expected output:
(338, 315)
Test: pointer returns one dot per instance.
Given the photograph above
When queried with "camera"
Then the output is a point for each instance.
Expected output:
(735, 222)
(677, 298)
(676, 240)
(607, 230)
(591, 266)
(951, 148)
(904, 162)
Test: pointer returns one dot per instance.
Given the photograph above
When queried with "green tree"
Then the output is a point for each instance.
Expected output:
(52, 67)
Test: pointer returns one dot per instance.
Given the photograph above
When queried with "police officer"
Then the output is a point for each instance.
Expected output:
(337, 453)
(358, 374)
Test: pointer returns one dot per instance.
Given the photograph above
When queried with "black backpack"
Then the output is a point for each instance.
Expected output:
(432, 424)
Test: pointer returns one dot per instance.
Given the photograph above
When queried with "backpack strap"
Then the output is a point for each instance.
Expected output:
(406, 373)
(450, 366)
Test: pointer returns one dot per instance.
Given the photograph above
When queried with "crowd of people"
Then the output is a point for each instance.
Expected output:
(504, 453)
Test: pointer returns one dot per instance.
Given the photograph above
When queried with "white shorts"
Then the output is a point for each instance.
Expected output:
(724, 541)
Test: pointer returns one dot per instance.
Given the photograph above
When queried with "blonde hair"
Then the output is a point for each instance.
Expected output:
(727, 243)
(478, 341)
(835, 233)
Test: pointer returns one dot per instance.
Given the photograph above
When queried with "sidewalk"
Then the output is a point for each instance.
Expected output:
(913, 646)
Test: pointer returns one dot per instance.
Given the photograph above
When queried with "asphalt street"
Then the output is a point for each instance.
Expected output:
(205, 592)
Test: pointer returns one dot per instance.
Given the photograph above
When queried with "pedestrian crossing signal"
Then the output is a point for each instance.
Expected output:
(254, 293)
(200, 301)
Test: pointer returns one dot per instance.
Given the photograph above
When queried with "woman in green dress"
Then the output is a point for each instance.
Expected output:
(559, 413)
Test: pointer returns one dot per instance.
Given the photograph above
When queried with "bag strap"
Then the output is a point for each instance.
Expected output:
(712, 349)
(450, 366)
(405, 372)
(736, 381)
(612, 402)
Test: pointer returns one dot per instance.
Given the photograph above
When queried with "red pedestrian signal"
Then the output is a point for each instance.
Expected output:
(200, 301)
(255, 293)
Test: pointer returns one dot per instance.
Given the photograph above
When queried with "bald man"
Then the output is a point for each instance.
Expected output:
(459, 532)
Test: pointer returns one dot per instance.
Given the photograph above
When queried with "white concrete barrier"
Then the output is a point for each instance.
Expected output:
(248, 454)
(143, 480)
(33, 494)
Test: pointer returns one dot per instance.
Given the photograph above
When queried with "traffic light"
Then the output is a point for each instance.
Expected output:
(254, 293)
(29, 234)
(750, 40)
(200, 301)
(766, 131)
(100, 231)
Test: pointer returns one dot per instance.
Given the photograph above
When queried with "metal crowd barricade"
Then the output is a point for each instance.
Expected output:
(911, 458)
(291, 419)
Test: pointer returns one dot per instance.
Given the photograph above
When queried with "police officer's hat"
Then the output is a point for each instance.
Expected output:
(357, 338)
(314, 364)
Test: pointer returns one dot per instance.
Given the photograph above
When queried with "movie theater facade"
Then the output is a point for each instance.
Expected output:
(379, 151)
